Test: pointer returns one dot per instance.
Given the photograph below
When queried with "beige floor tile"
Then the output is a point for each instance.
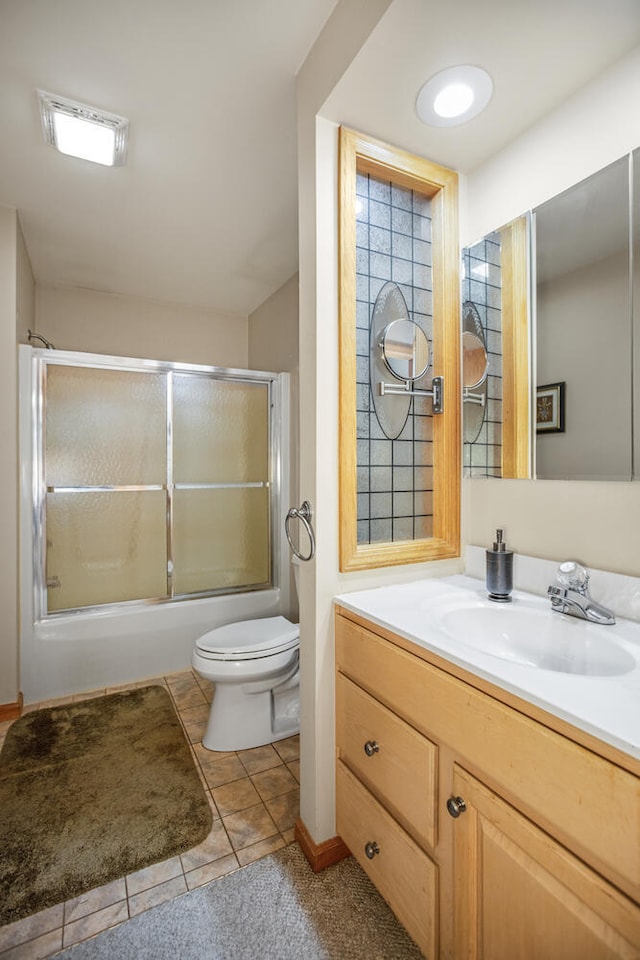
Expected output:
(31, 927)
(188, 698)
(289, 749)
(249, 826)
(153, 875)
(206, 686)
(294, 767)
(89, 695)
(158, 894)
(94, 900)
(211, 871)
(30, 707)
(122, 687)
(55, 702)
(258, 759)
(274, 782)
(224, 771)
(181, 682)
(288, 835)
(207, 757)
(235, 796)
(94, 923)
(152, 682)
(195, 721)
(215, 847)
(38, 949)
(258, 850)
(285, 810)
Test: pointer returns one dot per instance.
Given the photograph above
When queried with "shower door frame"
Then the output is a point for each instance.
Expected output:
(277, 483)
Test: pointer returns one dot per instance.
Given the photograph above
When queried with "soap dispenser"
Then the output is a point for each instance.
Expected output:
(499, 571)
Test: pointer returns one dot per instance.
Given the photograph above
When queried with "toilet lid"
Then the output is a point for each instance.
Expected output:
(249, 639)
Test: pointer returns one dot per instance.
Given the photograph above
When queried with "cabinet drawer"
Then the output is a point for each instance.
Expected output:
(404, 875)
(579, 797)
(402, 770)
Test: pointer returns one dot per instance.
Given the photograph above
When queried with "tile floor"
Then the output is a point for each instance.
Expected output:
(254, 796)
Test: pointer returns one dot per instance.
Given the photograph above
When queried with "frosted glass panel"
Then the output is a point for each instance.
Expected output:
(220, 431)
(104, 427)
(105, 547)
(221, 539)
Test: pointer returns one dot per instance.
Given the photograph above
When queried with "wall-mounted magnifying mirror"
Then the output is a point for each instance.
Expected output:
(475, 370)
(475, 364)
(405, 349)
(495, 351)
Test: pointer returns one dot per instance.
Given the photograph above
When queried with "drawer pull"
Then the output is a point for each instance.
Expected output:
(456, 806)
(371, 849)
(371, 747)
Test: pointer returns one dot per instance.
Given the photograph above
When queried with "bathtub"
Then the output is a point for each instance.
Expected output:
(82, 652)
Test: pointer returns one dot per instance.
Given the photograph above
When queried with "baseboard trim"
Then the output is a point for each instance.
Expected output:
(11, 711)
(320, 855)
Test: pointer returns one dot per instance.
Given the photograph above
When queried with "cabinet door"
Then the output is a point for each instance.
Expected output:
(519, 895)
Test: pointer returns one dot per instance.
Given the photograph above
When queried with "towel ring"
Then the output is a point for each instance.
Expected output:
(303, 513)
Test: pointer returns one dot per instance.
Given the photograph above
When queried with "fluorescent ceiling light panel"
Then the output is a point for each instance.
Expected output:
(454, 96)
(79, 130)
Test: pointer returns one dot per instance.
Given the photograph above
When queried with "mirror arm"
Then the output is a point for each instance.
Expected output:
(479, 398)
(437, 394)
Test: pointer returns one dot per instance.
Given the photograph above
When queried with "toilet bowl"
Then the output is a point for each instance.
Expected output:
(254, 666)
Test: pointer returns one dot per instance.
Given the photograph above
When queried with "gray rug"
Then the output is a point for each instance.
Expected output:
(275, 909)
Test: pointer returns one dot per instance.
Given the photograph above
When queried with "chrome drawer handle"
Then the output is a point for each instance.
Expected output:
(371, 747)
(371, 849)
(456, 806)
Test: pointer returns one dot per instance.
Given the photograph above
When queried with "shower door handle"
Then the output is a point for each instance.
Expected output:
(303, 514)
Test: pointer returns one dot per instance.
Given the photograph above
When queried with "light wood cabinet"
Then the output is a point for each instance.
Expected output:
(544, 862)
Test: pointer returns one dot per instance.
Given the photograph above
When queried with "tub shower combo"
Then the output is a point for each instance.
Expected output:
(151, 514)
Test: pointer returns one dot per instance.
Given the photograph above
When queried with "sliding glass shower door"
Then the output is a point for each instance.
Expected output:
(153, 483)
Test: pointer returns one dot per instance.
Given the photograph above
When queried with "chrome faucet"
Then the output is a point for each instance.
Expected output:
(570, 595)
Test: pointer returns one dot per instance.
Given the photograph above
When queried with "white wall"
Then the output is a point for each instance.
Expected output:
(596, 523)
(319, 349)
(274, 345)
(16, 315)
(92, 322)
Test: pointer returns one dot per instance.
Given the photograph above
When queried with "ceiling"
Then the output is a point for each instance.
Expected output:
(538, 53)
(205, 210)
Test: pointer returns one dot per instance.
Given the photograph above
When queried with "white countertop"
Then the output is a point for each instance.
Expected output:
(607, 707)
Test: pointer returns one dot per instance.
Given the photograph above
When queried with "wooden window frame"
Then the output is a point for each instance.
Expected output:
(361, 154)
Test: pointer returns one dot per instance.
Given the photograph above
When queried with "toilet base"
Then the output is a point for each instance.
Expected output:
(241, 719)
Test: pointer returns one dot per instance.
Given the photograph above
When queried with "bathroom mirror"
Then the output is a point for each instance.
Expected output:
(495, 353)
(405, 349)
(583, 327)
(580, 263)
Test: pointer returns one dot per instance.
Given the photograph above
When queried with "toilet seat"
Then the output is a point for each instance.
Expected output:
(268, 636)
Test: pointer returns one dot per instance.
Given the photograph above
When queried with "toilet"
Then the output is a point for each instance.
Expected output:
(254, 666)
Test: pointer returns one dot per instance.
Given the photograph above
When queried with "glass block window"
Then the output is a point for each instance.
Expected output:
(394, 477)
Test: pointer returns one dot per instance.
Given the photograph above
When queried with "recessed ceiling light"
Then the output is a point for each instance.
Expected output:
(454, 96)
(79, 130)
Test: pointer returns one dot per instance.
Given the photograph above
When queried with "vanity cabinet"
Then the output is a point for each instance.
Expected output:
(490, 833)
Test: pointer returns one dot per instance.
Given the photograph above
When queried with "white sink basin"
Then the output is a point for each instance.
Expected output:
(534, 636)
